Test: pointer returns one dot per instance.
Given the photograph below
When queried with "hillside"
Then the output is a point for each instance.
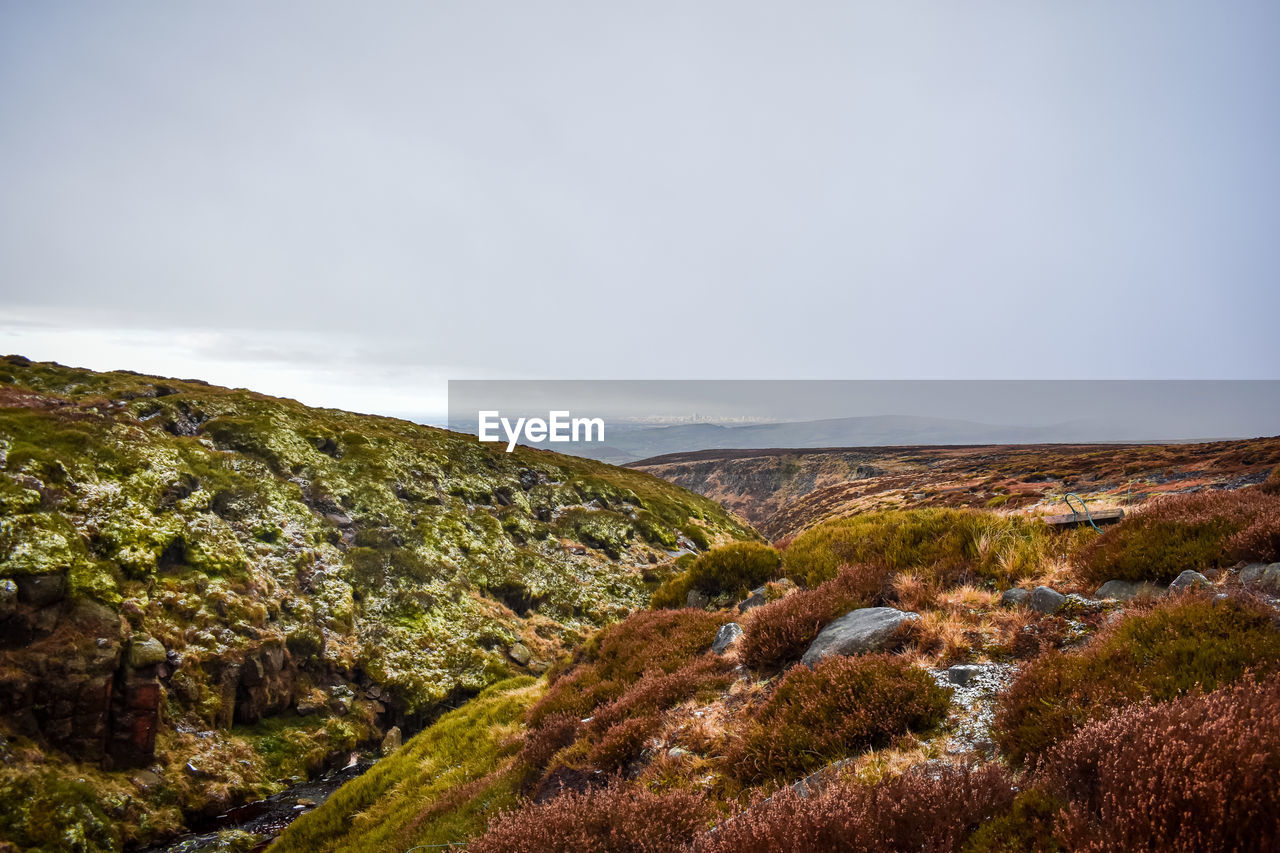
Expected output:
(206, 593)
(783, 491)
(945, 679)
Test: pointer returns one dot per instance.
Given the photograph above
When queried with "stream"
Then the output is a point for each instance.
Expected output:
(263, 818)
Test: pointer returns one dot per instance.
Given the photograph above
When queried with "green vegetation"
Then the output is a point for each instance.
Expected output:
(1196, 531)
(949, 544)
(730, 570)
(440, 787)
(357, 553)
(1157, 653)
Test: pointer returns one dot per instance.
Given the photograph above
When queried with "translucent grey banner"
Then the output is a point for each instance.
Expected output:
(629, 420)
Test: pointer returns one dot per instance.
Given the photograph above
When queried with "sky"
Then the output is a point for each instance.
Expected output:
(352, 203)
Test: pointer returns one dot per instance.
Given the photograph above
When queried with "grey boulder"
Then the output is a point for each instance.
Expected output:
(726, 637)
(1128, 590)
(867, 629)
(962, 673)
(1046, 600)
(1015, 597)
(1189, 580)
(1263, 576)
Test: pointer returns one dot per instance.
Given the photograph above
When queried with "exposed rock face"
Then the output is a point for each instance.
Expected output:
(726, 637)
(58, 688)
(1046, 600)
(867, 629)
(1128, 590)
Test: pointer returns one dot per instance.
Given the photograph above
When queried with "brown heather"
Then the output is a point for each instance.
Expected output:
(1159, 652)
(1195, 774)
(656, 690)
(617, 657)
(779, 632)
(1195, 531)
(613, 819)
(929, 811)
(840, 707)
(1272, 484)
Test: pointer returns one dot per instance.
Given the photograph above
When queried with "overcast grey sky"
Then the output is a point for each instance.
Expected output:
(349, 203)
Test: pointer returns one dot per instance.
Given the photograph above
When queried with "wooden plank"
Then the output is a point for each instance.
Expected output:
(1075, 519)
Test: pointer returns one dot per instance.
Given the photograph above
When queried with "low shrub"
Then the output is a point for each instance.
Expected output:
(1197, 773)
(657, 690)
(616, 658)
(1194, 531)
(916, 811)
(734, 568)
(780, 631)
(947, 545)
(1026, 827)
(555, 733)
(623, 742)
(839, 707)
(1159, 652)
(621, 818)
(1271, 485)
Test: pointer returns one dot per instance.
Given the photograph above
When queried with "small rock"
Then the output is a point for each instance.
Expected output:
(1252, 573)
(146, 651)
(963, 673)
(520, 653)
(1045, 600)
(537, 667)
(1189, 580)
(1128, 590)
(677, 752)
(144, 780)
(696, 599)
(1270, 581)
(391, 740)
(726, 637)
(866, 629)
(306, 802)
(757, 599)
(1015, 597)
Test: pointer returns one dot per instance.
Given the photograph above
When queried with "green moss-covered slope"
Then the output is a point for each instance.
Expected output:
(232, 568)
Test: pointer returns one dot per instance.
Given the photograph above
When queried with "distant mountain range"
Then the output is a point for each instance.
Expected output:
(626, 443)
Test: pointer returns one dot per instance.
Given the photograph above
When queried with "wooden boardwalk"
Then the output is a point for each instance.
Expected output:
(1075, 519)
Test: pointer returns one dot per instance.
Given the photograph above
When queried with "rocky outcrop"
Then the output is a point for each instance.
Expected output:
(867, 629)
